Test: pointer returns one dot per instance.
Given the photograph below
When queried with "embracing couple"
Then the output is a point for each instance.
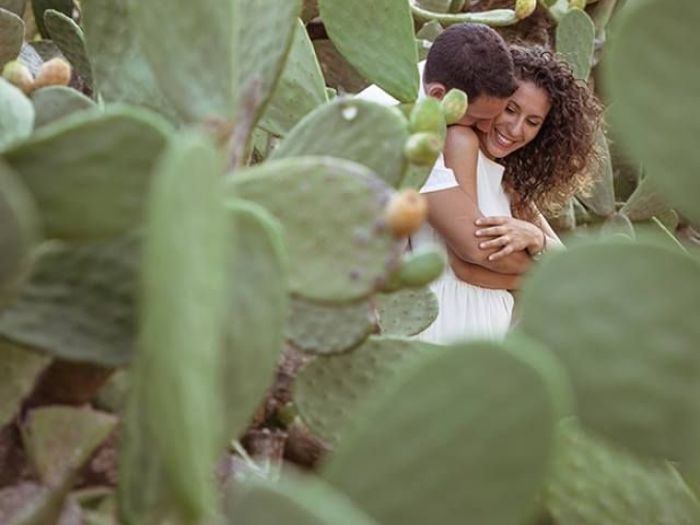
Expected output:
(522, 147)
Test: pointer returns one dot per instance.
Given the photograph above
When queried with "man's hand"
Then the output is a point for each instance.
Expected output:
(507, 235)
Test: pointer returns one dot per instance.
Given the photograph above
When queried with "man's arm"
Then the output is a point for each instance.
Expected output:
(453, 212)
(480, 276)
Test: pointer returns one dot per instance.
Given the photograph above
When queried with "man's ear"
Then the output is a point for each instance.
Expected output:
(435, 89)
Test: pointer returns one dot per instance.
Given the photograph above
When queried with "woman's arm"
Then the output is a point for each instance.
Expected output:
(480, 276)
(453, 212)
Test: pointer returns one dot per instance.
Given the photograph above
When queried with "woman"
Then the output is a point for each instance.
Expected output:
(487, 212)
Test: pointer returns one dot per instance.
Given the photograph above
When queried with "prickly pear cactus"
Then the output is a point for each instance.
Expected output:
(68, 37)
(406, 312)
(356, 130)
(636, 407)
(55, 102)
(346, 254)
(16, 115)
(436, 419)
(669, 153)
(575, 41)
(11, 35)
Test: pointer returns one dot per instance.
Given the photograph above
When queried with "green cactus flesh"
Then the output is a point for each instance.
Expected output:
(68, 36)
(19, 233)
(258, 309)
(377, 39)
(79, 302)
(294, 500)
(259, 53)
(300, 89)
(55, 102)
(329, 390)
(322, 328)
(445, 451)
(19, 370)
(61, 439)
(11, 36)
(14, 6)
(356, 130)
(16, 115)
(575, 41)
(89, 172)
(601, 199)
(593, 483)
(620, 319)
(332, 213)
(406, 312)
(179, 53)
(669, 152)
(119, 66)
(39, 7)
(183, 321)
(645, 203)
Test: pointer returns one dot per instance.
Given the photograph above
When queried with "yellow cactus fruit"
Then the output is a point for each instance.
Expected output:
(454, 105)
(18, 74)
(405, 212)
(577, 4)
(55, 72)
(524, 8)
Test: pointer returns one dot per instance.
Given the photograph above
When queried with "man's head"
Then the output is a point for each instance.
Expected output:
(475, 59)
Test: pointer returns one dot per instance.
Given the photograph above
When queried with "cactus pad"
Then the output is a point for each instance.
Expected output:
(183, 318)
(594, 483)
(376, 37)
(645, 203)
(295, 500)
(19, 370)
(19, 233)
(16, 115)
(330, 389)
(331, 210)
(68, 36)
(300, 89)
(258, 308)
(55, 102)
(406, 312)
(89, 172)
(356, 130)
(61, 439)
(662, 136)
(575, 41)
(621, 318)
(78, 303)
(120, 69)
(445, 451)
(601, 199)
(259, 53)
(11, 36)
(323, 328)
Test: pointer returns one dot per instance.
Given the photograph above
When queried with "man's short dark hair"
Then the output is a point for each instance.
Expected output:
(473, 58)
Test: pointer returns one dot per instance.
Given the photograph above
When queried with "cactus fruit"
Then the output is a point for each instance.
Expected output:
(427, 116)
(524, 8)
(55, 72)
(405, 212)
(421, 268)
(577, 4)
(454, 105)
(423, 148)
(16, 73)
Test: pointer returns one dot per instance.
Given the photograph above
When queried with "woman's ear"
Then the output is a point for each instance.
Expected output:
(435, 89)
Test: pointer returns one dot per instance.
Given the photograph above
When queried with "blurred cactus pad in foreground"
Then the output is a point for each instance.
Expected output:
(207, 311)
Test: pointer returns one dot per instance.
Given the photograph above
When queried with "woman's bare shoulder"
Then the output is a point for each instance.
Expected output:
(462, 135)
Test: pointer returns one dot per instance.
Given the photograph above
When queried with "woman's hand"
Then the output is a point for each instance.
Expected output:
(506, 235)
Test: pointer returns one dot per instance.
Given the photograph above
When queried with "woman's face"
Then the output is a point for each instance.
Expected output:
(519, 123)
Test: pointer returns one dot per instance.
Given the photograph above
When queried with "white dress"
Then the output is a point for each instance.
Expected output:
(467, 311)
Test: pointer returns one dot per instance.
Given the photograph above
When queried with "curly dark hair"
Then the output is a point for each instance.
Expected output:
(473, 58)
(555, 165)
